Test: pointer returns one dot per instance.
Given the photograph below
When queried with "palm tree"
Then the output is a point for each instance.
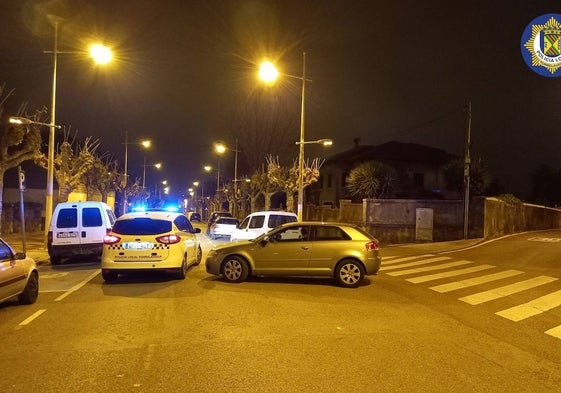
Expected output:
(372, 179)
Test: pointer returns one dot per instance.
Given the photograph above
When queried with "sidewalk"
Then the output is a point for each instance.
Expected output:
(34, 243)
(437, 247)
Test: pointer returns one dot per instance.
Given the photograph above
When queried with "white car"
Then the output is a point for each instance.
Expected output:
(259, 223)
(223, 227)
(18, 275)
(157, 241)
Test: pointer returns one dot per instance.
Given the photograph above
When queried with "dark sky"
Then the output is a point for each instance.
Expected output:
(380, 71)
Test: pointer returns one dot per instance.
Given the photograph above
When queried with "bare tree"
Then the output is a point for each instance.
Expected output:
(18, 143)
(286, 178)
(70, 167)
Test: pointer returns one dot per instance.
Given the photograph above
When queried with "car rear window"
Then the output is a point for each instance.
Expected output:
(67, 218)
(91, 217)
(227, 221)
(141, 226)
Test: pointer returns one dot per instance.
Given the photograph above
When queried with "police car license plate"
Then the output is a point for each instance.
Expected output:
(138, 246)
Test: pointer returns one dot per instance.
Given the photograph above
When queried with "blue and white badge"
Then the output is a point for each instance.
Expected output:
(541, 45)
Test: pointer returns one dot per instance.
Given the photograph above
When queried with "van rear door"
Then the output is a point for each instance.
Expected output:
(66, 230)
(93, 226)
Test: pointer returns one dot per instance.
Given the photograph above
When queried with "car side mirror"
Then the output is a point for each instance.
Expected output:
(19, 255)
(197, 230)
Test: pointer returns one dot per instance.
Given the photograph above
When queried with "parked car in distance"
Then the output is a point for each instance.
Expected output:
(213, 217)
(18, 275)
(77, 229)
(223, 227)
(342, 251)
(155, 241)
(194, 216)
(258, 223)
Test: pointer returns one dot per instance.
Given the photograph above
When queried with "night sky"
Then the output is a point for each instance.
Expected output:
(380, 71)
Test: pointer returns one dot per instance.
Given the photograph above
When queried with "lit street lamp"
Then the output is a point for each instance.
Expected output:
(101, 55)
(146, 143)
(269, 73)
(157, 165)
(209, 168)
(221, 148)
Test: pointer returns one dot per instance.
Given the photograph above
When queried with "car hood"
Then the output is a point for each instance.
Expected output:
(233, 245)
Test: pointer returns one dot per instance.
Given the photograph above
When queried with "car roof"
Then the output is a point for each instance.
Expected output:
(280, 212)
(157, 215)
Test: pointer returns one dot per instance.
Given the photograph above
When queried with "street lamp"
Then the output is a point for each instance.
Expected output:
(157, 165)
(221, 148)
(146, 143)
(269, 73)
(101, 55)
(209, 168)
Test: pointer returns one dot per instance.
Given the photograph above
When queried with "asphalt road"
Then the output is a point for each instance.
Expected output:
(424, 323)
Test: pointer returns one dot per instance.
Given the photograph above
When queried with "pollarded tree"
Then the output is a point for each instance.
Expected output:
(372, 179)
(102, 176)
(70, 167)
(18, 143)
(286, 178)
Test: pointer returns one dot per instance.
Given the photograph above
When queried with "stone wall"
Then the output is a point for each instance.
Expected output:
(394, 221)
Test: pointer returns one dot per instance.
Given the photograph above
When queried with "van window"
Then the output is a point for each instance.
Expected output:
(276, 219)
(91, 217)
(244, 223)
(256, 222)
(67, 218)
(111, 216)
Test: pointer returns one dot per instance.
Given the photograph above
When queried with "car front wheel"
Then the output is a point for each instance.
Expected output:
(108, 275)
(349, 273)
(235, 269)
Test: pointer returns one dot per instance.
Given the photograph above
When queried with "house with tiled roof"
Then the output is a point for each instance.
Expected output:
(419, 170)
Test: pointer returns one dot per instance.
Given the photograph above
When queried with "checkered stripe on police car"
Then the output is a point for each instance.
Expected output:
(157, 246)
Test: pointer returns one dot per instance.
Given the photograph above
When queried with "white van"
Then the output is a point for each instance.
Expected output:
(78, 228)
(258, 223)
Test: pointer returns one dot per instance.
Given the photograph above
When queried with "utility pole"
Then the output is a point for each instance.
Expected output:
(467, 163)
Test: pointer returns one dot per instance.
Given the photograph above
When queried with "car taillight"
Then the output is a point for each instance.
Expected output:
(372, 246)
(168, 239)
(111, 239)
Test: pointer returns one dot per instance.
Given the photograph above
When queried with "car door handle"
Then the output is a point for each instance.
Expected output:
(305, 248)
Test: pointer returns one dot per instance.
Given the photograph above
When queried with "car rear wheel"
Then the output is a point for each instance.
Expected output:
(199, 256)
(55, 260)
(349, 273)
(235, 269)
(182, 273)
(31, 291)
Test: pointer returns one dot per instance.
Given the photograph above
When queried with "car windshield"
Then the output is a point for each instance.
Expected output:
(227, 221)
(141, 226)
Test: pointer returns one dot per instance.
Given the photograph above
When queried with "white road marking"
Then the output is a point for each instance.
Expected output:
(32, 317)
(475, 281)
(416, 263)
(533, 307)
(429, 268)
(555, 332)
(392, 260)
(77, 286)
(451, 273)
(500, 292)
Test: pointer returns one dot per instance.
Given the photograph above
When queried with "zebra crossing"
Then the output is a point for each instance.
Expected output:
(431, 267)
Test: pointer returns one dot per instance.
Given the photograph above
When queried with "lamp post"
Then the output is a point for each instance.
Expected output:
(157, 165)
(269, 73)
(101, 55)
(146, 143)
(209, 168)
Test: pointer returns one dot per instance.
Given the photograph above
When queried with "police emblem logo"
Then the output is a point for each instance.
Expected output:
(541, 45)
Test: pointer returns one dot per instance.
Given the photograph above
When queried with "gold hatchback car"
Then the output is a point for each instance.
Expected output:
(342, 251)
